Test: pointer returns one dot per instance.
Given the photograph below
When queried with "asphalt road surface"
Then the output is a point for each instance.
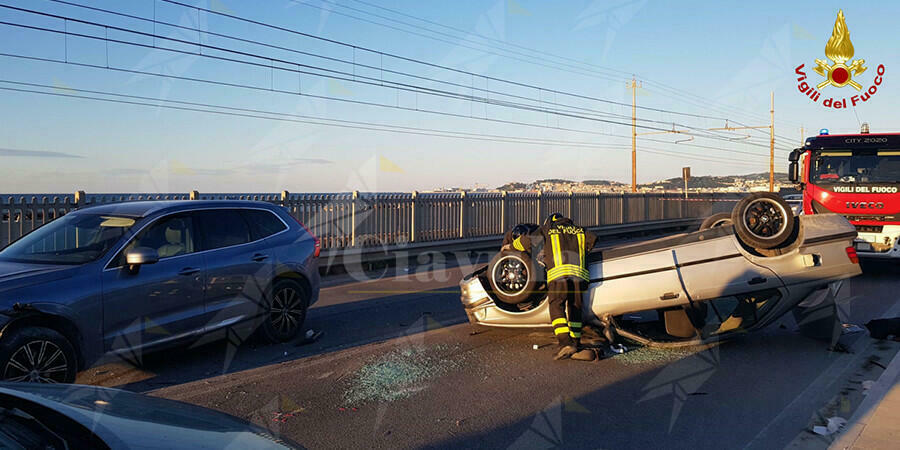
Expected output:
(398, 367)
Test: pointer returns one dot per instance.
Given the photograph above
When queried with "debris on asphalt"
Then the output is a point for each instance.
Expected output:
(645, 355)
(833, 425)
(310, 337)
(866, 385)
(618, 348)
(398, 374)
(283, 416)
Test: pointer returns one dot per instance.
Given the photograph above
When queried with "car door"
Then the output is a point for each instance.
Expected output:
(714, 267)
(634, 279)
(156, 302)
(239, 267)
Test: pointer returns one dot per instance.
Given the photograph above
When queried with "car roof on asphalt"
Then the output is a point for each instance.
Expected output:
(146, 208)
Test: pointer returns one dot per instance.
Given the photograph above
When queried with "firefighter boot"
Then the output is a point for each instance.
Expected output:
(565, 352)
(585, 354)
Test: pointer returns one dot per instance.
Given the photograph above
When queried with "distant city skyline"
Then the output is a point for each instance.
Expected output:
(462, 93)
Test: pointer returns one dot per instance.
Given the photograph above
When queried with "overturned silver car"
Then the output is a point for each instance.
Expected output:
(731, 276)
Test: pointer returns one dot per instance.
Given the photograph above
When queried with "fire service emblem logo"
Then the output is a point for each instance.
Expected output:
(840, 72)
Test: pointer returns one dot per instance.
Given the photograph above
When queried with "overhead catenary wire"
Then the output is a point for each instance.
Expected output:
(590, 67)
(427, 63)
(487, 92)
(355, 64)
(288, 117)
(359, 102)
(340, 75)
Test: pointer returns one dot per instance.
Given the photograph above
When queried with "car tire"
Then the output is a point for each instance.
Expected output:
(716, 220)
(763, 220)
(37, 354)
(285, 311)
(513, 276)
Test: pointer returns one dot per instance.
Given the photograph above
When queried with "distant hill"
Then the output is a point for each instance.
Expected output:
(513, 187)
(701, 182)
(713, 182)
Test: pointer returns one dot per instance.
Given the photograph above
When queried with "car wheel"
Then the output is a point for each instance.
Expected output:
(716, 220)
(37, 354)
(285, 311)
(763, 220)
(512, 276)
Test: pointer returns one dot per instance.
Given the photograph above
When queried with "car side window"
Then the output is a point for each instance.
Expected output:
(262, 223)
(222, 228)
(169, 236)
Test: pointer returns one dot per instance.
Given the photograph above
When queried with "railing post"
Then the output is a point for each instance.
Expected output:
(571, 205)
(80, 199)
(462, 214)
(503, 212)
(353, 201)
(597, 214)
(540, 216)
(623, 207)
(412, 218)
(195, 195)
(646, 203)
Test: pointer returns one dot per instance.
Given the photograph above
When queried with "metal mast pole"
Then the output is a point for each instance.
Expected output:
(633, 137)
(772, 146)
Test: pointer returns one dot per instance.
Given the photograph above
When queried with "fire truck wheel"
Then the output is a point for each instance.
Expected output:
(763, 220)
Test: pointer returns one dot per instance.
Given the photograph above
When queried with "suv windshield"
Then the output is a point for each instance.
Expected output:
(71, 239)
(845, 166)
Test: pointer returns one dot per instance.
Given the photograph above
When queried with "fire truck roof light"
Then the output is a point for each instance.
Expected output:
(823, 132)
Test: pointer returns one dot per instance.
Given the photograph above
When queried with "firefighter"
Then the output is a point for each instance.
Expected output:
(565, 247)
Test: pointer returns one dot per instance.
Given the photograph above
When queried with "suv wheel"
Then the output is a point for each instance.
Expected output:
(285, 311)
(37, 354)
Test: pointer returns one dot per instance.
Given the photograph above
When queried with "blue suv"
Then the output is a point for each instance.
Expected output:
(128, 278)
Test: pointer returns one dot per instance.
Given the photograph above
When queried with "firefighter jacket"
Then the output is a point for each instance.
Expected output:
(565, 247)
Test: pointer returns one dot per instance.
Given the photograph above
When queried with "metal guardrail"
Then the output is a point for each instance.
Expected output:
(358, 220)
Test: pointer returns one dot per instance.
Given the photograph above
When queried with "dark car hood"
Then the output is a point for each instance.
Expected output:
(15, 275)
(124, 419)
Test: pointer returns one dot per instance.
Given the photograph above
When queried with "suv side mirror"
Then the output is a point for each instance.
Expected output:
(793, 172)
(140, 256)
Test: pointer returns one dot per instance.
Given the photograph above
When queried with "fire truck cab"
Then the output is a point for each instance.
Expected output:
(857, 176)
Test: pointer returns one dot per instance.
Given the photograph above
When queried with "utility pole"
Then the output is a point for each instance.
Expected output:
(772, 145)
(801, 136)
(633, 136)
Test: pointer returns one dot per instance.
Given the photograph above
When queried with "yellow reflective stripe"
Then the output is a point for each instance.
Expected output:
(568, 270)
(518, 245)
(574, 324)
(581, 249)
(554, 246)
(561, 330)
(575, 334)
(561, 320)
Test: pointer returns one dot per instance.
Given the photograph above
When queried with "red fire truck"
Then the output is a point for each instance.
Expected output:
(858, 176)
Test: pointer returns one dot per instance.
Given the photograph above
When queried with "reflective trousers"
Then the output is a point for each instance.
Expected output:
(564, 295)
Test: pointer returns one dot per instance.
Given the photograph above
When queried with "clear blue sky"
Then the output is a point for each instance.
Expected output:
(726, 55)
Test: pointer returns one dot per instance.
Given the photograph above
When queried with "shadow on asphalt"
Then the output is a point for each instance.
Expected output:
(345, 326)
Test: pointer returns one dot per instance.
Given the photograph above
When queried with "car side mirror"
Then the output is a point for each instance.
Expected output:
(793, 172)
(139, 256)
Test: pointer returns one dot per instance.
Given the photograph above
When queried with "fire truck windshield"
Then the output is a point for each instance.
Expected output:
(846, 166)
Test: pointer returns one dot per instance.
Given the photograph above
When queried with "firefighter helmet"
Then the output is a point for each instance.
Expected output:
(555, 217)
